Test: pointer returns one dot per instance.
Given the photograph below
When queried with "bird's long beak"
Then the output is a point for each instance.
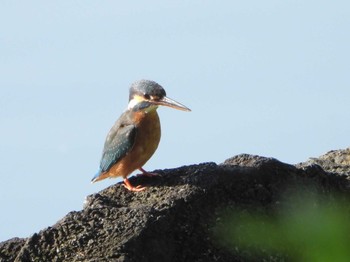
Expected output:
(166, 101)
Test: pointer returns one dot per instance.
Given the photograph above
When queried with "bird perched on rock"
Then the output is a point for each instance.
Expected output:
(135, 136)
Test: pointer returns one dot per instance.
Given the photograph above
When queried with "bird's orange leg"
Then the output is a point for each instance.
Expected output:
(145, 173)
(130, 187)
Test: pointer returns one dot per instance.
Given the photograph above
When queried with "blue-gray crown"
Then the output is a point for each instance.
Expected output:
(146, 88)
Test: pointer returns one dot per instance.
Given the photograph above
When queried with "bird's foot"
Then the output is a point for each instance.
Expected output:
(130, 187)
(145, 173)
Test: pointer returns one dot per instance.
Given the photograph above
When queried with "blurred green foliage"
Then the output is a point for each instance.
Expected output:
(304, 228)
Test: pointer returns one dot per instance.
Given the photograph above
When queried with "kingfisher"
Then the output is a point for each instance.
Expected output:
(135, 136)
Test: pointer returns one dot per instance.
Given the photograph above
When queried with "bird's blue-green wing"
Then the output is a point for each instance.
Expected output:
(119, 142)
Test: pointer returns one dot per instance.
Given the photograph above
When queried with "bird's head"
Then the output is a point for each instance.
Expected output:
(146, 95)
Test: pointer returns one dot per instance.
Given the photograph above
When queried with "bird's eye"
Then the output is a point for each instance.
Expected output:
(146, 96)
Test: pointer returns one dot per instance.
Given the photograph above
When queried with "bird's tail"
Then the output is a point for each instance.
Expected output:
(98, 176)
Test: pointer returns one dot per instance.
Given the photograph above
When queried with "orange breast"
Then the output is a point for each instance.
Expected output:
(146, 143)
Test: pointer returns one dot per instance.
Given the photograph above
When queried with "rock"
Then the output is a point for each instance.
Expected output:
(10, 248)
(175, 218)
(335, 161)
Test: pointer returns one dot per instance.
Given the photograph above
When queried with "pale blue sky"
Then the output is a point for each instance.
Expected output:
(262, 77)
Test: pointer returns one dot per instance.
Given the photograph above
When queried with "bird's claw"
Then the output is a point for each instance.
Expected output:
(134, 189)
(130, 187)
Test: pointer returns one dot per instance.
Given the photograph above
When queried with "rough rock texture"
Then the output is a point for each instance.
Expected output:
(335, 161)
(174, 219)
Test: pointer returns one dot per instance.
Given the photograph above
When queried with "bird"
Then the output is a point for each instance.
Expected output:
(135, 136)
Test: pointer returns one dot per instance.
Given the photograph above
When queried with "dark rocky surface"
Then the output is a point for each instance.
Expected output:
(175, 218)
(335, 161)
